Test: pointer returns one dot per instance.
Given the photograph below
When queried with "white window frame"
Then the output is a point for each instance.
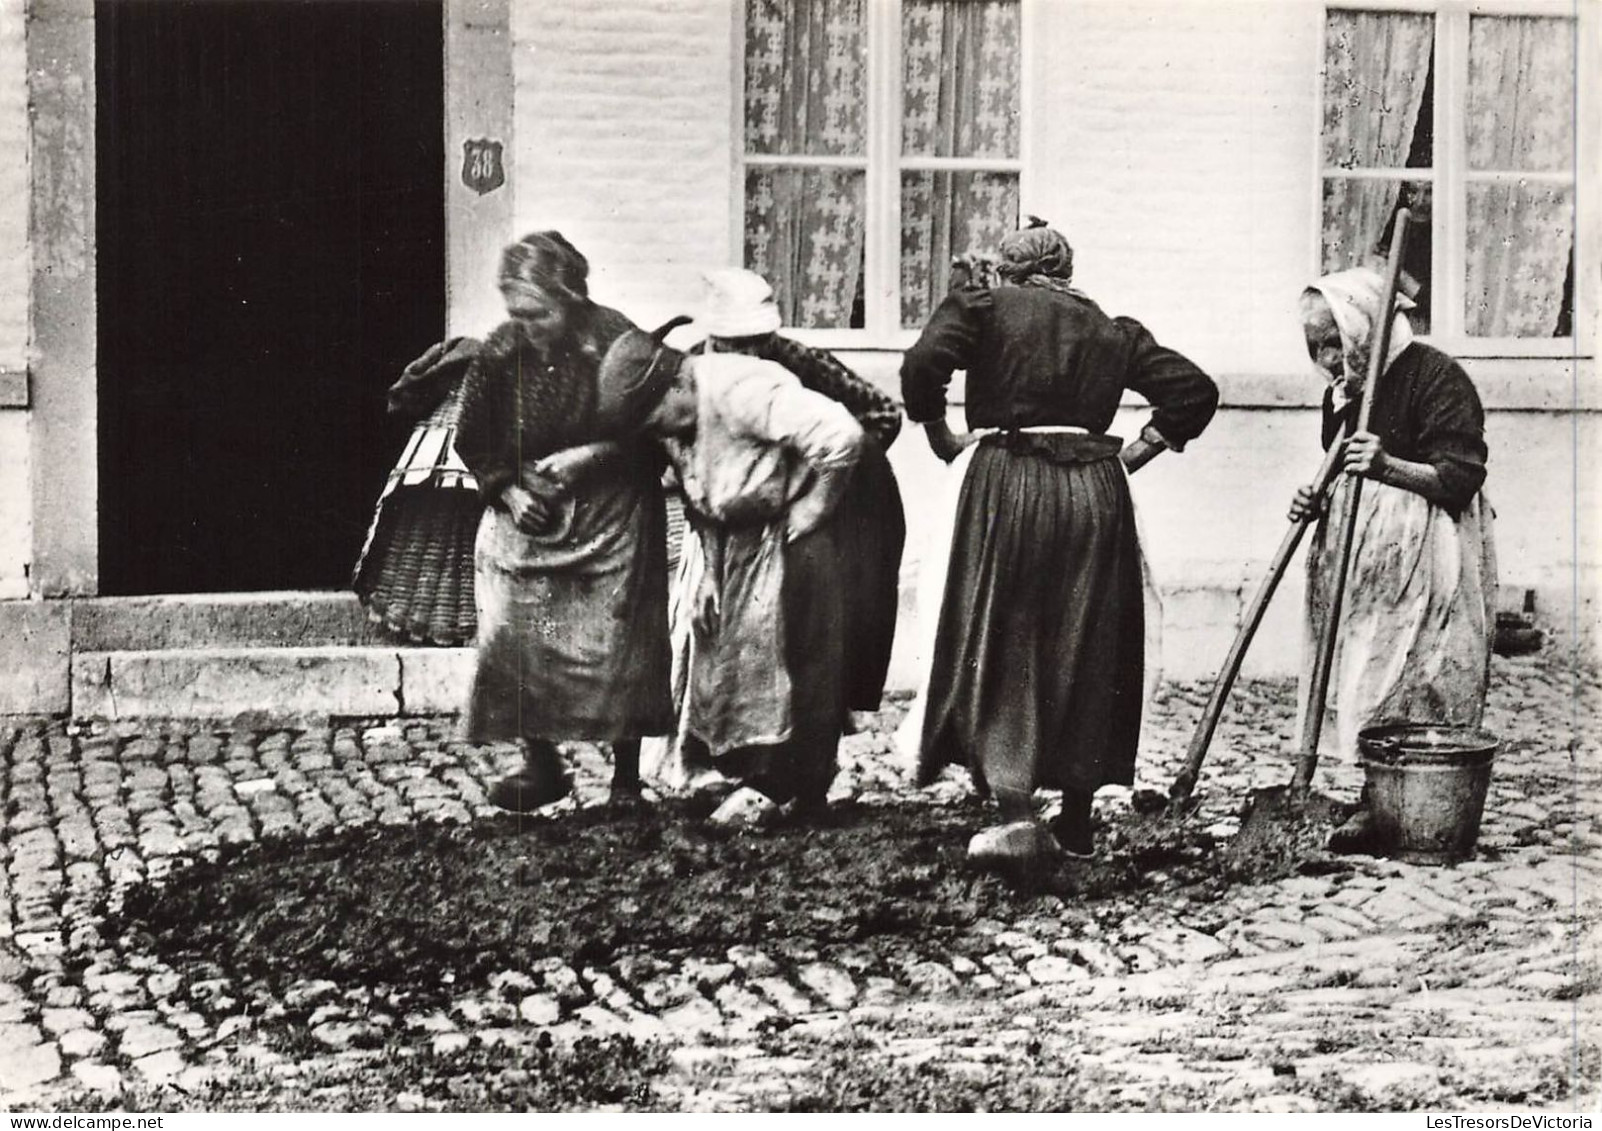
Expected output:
(1449, 174)
(883, 165)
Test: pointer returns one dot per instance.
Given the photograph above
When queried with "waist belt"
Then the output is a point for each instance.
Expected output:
(1057, 443)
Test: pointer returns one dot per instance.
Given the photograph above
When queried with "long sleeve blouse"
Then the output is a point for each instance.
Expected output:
(1427, 411)
(1036, 356)
(760, 439)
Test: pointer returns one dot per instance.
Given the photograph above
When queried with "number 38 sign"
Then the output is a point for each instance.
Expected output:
(482, 170)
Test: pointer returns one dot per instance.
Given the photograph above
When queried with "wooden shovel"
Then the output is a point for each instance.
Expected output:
(1318, 690)
(1179, 793)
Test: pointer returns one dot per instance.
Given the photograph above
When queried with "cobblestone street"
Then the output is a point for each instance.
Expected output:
(1384, 985)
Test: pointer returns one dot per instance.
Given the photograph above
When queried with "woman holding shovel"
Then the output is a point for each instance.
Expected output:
(1415, 636)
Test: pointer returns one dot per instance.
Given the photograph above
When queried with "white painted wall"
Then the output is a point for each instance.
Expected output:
(1174, 142)
(14, 256)
(16, 526)
(16, 505)
(625, 143)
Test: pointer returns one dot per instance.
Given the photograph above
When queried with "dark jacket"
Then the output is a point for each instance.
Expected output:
(1427, 411)
(1037, 356)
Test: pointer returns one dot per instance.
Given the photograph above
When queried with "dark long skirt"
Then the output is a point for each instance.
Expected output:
(1036, 674)
(814, 606)
(872, 532)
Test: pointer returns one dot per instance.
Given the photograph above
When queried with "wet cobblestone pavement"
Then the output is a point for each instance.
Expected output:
(1385, 985)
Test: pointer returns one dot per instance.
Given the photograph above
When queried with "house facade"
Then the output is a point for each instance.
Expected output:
(1206, 158)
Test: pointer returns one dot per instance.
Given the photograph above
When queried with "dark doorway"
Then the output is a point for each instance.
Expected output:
(271, 252)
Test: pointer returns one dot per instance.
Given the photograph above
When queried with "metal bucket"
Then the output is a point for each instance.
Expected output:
(1426, 788)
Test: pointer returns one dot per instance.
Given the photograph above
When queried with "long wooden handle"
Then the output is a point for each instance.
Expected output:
(1185, 782)
(1323, 661)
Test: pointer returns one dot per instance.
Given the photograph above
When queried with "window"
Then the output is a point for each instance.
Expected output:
(881, 140)
(1466, 116)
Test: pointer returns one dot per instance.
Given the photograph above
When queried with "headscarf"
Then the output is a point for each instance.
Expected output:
(739, 304)
(1354, 299)
(975, 269)
(636, 374)
(547, 261)
(1037, 256)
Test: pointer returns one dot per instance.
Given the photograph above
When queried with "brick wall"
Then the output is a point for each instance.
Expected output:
(16, 504)
(1174, 141)
(1170, 140)
(624, 140)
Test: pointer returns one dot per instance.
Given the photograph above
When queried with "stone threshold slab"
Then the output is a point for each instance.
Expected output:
(269, 685)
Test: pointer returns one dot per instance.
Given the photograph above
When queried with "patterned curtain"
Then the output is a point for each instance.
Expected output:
(806, 78)
(944, 215)
(804, 234)
(960, 66)
(1520, 232)
(1376, 71)
(806, 95)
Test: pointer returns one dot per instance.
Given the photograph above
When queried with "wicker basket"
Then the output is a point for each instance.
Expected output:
(415, 572)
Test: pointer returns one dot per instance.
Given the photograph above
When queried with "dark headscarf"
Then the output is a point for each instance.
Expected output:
(636, 374)
(546, 260)
(1038, 256)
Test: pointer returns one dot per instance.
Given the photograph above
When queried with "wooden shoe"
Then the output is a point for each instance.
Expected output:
(525, 792)
(1022, 844)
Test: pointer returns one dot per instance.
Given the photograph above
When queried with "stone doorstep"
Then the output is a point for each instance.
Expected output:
(268, 684)
(295, 619)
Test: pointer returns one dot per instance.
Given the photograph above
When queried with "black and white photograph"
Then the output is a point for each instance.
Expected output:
(800, 556)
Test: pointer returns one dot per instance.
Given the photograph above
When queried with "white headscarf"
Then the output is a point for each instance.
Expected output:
(1354, 299)
(739, 304)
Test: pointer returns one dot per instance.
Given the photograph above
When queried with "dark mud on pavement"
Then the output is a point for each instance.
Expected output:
(445, 907)
(1281, 833)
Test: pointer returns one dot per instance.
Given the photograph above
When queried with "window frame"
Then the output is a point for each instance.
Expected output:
(1449, 175)
(883, 164)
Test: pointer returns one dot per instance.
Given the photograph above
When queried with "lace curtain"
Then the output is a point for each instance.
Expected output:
(1520, 232)
(806, 95)
(1518, 259)
(1376, 79)
(960, 62)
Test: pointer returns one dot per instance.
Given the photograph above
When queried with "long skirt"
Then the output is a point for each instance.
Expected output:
(871, 533)
(1036, 673)
(768, 695)
(1418, 617)
(572, 624)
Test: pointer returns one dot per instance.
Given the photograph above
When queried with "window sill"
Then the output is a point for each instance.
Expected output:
(853, 341)
(1505, 385)
(1509, 349)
